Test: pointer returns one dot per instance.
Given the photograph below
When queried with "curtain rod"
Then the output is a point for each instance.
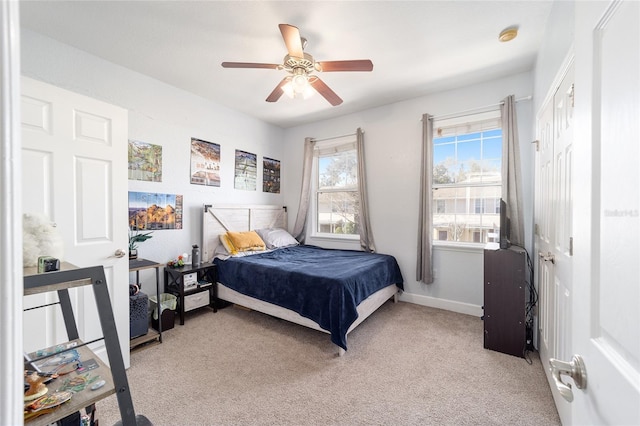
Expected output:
(476, 110)
(335, 137)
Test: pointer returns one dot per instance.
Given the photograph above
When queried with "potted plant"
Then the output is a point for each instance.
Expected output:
(136, 237)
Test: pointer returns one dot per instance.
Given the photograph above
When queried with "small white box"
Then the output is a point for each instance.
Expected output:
(190, 280)
(197, 300)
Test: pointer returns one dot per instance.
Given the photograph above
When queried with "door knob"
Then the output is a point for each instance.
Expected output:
(574, 369)
(120, 253)
(547, 257)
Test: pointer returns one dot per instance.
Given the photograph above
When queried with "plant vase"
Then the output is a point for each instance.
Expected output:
(133, 254)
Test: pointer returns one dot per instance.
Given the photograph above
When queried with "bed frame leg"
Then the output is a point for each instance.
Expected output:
(395, 297)
(341, 351)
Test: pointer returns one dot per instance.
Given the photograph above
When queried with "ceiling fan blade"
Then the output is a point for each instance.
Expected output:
(277, 92)
(249, 65)
(325, 90)
(356, 65)
(291, 36)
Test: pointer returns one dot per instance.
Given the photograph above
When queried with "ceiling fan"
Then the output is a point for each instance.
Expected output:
(300, 66)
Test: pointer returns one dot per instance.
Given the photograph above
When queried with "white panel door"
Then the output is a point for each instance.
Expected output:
(554, 228)
(75, 171)
(606, 324)
(544, 231)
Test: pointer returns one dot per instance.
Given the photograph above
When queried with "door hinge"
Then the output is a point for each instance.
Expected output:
(537, 142)
(572, 95)
(536, 229)
(570, 246)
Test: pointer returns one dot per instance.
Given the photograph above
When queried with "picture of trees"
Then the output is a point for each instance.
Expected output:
(145, 161)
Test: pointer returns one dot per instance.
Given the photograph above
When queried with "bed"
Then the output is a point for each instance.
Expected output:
(293, 282)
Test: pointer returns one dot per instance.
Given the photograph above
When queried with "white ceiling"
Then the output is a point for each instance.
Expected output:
(417, 47)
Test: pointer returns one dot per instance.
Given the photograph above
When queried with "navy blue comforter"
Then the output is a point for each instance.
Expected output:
(323, 285)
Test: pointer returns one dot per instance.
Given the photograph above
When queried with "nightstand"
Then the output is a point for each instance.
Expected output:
(193, 286)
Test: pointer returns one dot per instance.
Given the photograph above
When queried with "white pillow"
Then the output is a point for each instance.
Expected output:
(276, 238)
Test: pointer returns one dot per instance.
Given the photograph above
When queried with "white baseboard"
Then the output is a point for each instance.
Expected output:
(449, 305)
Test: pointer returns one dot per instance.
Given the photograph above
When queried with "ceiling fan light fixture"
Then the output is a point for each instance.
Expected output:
(302, 90)
(300, 82)
(288, 90)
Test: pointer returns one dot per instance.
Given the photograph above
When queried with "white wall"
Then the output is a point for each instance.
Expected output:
(556, 44)
(393, 135)
(162, 115)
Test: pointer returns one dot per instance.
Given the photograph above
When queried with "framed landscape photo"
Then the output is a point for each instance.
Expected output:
(205, 163)
(152, 211)
(245, 171)
(145, 161)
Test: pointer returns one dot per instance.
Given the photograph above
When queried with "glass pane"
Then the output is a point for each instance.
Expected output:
(492, 147)
(491, 171)
(338, 212)
(468, 158)
(470, 214)
(339, 170)
(469, 150)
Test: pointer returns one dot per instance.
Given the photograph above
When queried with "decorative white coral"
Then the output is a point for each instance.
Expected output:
(39, 238)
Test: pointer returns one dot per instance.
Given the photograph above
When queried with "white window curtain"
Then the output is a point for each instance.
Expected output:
(366, 236)
(300, 227)
(424, 270)
(511, 170)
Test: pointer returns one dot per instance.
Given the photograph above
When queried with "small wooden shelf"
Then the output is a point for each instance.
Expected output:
(115, 375)
(151, 335)
(82, 399)
(137, 265)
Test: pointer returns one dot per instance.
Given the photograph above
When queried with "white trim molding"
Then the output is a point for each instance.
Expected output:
(448, 305)
(11, 290)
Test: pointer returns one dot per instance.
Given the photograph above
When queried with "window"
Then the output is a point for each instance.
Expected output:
(336, 207)
(467, 181)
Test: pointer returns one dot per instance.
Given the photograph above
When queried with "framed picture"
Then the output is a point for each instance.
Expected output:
(145, 161)
(270, 175)
(205, 163)
(245, 171)
(151, 211)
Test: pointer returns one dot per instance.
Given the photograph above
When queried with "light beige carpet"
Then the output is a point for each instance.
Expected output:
(406, 365)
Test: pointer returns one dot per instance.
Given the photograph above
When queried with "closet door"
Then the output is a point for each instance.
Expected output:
(554, 210)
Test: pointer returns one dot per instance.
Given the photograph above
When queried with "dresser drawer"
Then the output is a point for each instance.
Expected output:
(197, 300)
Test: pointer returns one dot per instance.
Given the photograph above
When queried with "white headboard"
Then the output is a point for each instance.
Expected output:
(219, 219)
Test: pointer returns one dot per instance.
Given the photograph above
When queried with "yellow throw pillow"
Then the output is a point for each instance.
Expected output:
(246, 241)
(224, 239)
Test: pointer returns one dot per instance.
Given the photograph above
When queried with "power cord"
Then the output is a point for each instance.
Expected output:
(529, 309)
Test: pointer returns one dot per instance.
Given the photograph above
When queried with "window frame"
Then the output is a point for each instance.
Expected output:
(492, 119)
(322, 148)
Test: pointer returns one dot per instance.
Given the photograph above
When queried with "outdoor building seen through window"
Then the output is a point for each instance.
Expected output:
(467, 183)
(337, 204)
